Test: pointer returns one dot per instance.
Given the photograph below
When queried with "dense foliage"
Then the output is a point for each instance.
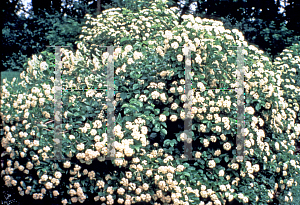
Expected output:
(261, 23)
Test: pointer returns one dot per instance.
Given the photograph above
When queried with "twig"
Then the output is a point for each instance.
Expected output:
(47, 122)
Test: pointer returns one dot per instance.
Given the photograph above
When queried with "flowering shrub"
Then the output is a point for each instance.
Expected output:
(149, 105)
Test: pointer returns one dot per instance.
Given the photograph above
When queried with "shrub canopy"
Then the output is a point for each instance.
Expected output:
(149, 107)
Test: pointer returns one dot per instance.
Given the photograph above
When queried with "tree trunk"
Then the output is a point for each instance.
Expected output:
(98, 7)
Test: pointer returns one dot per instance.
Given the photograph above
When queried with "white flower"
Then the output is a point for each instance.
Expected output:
(161, 85)
(213, 138)
(201, 86)
(8, 149)
(293, 163)
(206, 142)
(26, 115)
(211, 164)
(43, 66)
(155, 94)
(173, 118)
(57, 175)
(67, 164)
(168, 35)
(221, 173)
(80, 147)
(93, 132)
(144, 130)
(49, 185)
(227, 146)
(163, 97)
(250, 110)
(35, 143)
(83, 129)
(180, 89)
(198, 155)
(178, 38)
(162, 118)
(183, 98)
(129, 152)
(183, 136)
(179, 57)
(174, 45)
(247, 143)
(130, 61)
(284, 173)
(137, 55)
(128, 48)
(143, 98)
(277, 147)
(256, 167)
(172, 90)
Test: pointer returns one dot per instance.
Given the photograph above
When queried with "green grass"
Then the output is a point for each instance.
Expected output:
(9, 75)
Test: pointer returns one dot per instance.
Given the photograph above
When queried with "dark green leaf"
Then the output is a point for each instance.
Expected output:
(226, 159)
(135, 86)
(164, 131)
(156, 111)
(123, 96)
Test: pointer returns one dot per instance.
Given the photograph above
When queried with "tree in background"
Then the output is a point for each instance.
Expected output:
(260, 21)
(293, 15)
(52, 23)
(56, 22)
(49, 23)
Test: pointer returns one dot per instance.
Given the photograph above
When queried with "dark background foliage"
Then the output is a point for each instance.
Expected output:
(59, 22)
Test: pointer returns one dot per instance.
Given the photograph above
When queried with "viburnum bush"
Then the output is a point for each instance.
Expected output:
(150, 98)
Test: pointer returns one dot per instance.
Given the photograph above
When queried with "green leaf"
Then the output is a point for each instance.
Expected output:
(187, 174)
(257, 107)
(127, 110)
(133, 107)
(164, 124)
(135, 86)
(173, 141)
(123, 96)
(209, 124)
(153, 135)
(156, 129)
(166, 113)
(226, 159)
(149, 108)
(156, 111)
(166, 142)
(119, 118)
(123, 39)
(137, 147)
(124, 105)
(164, 131)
